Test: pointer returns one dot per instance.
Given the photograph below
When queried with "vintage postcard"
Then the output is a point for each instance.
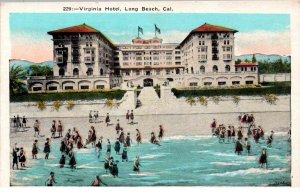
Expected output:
(148, 94)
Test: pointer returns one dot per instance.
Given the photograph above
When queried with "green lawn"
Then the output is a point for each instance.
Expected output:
(278, 88)
(67, 96)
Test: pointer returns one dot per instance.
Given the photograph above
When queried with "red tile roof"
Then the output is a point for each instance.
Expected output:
(208, 28)
(213, 28)
(246, 64)
(76, 29)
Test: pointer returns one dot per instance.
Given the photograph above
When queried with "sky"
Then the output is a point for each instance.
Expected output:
(258, 33)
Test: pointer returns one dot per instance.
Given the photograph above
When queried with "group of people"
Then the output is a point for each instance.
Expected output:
(19, 122)
(93, 117)
(242, 139)
(56, 127)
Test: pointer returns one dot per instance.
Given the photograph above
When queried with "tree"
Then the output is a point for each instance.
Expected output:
(238, 61)
(37, 70)
(253, 58)
(17, 75)
(246, 60)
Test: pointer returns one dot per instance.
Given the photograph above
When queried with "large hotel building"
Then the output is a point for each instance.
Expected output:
(85, 59)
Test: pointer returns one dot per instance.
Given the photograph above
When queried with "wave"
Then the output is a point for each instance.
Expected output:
(143, 174)
(224, 163)
(154, 156)
(186, 137)
(251, 171)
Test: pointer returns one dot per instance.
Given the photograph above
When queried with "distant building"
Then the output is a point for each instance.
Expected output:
(85, 59)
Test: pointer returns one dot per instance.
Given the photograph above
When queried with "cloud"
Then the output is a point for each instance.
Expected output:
(266, 42)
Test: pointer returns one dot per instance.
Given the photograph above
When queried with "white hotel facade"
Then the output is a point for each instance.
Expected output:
(85, 59)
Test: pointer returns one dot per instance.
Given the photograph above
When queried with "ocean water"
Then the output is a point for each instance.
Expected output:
(179, 161)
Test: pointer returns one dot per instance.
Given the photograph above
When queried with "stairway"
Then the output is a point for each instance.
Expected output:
(148, 96)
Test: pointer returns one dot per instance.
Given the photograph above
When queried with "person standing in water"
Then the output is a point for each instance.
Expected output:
(47, 148)
(51, 180)
(108, 149)
(106, 162)
(263, 159)
(128, 140)
(97, 182)
(248, 145)
(270, 139)
(161, 132)
(136, 165)
(124, 154)
(62, 161)
(72, 161)
(99, 147)
(138, 137)
(239, 147)
(117, 146)
(153, 139)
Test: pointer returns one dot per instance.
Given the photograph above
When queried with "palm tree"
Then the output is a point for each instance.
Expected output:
(16, 79)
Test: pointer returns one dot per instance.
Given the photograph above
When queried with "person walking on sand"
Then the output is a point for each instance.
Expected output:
(263, 159)
(22, 157)
(128, 116)
(15, 158)
(59, 128)
(36, 127)
(138, 137)
(132, 117)
(213, 126)
(53, 129)
(107, 119)
(136, 165)
(24, 121)
(51, 180)
(47, 148)
(35, 149)
(90, 117)
(161, 132)
(118, 127)
(122, 137)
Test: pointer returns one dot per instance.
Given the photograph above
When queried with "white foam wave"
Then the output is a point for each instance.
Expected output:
(251, 171)
(152, 156)
(184, 137)
(143, 174)
(224, 163)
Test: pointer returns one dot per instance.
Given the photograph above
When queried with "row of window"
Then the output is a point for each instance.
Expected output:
(55, 88)
(193, 84)
(148, 63)
(126, 58)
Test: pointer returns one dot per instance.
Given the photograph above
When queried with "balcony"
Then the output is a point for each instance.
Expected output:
(75, 45)
(214, 36)
(215, 50)
(214, 43)
(215, 57)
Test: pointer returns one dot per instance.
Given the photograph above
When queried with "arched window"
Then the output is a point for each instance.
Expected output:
(75, 72)
(227, 68)
(192, 70)
(101, 71)
(61, 72)
(202, 69)
(89, 72)
(215, 69)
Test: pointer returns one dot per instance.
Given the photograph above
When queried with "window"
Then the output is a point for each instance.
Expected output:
(221, 83)
(75, 72)
(207, 83)
(52, 88)
(84, 87)
(68, 87)
(87, 51)
(202, 69)
(137, 72)
(138, 63)
(168, 58)
(193, 84)
(168, 72)
(157, 72)
(127, 73)
(177, 58)
(227, 68)
(235, 82)
(89, 72)
(249, 82)
(215, 68)
(100, 87)
(37, 88)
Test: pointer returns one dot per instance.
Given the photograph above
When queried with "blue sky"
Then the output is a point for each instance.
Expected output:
(123, 27)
